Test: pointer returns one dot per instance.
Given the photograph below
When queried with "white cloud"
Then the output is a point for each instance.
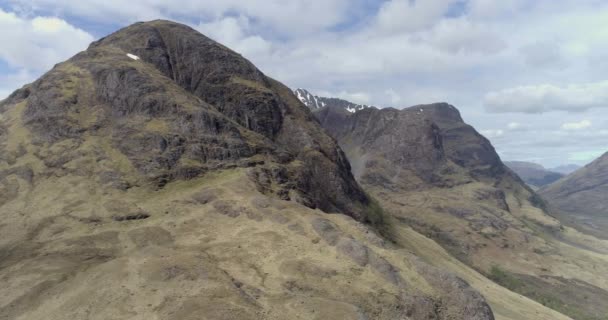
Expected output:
(395, 98)
(11, 81)
(462, 35)
(38, 43)
(282, 16)
(546, 97)
(408, 16)
(494, 8)
(543, 54)
(33, 45)
(234, 32)
(583, 124)
(586, 156)
(356, 97)
(514, 126)
(492, 133)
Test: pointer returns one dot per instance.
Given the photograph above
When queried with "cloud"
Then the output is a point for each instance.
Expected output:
(492, 133)
(40, 42)
(543, 54)
(282, 17)
(463, 35)
(32, 45)
(515, 126)
(356, 97)
(395, 98)
(583, 124)
(586, 156)
(547, 97)
(11, 81)
(493, 8)
(234, 32)
(408, 16)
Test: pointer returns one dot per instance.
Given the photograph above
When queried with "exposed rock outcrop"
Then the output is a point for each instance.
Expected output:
(436, 174)
(429, 142)
(177, 105)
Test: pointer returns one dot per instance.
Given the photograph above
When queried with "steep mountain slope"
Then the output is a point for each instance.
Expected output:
(159, 175)
(535, 175)
(315, 102)
(436, 174)
(187, 107)
(581, 197)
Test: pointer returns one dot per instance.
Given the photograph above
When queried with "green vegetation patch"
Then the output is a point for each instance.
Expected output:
(574, 298)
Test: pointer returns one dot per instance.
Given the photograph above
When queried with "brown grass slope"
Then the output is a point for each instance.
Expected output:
(437, 175)
(581, 197)
(187, 185)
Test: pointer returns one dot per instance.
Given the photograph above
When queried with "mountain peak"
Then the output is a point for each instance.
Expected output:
(440, 111)
(314, 102)
(176, 105)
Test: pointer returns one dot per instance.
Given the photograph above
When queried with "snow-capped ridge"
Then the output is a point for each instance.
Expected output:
(315, 102)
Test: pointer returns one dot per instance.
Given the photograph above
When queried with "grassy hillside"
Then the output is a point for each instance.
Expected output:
(579, 199)
(435, 174)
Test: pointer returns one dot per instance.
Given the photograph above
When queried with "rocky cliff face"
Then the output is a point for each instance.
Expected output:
(580, 197)
(428, 142)
(177, 104)
(160, 175)
(433, 172)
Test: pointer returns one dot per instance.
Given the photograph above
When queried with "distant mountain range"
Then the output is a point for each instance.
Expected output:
(315, 102)
(437, 175)
(535, 175)
(565, 169)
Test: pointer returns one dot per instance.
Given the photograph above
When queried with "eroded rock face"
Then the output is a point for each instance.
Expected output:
(459, 300)
(177, 105)
(392, 148)
(206, 69)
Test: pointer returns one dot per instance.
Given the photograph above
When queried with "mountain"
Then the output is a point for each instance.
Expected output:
(160, 175)
(580, 197)
(535, 175)
(437, 175)
(565, 169)
(315, 102)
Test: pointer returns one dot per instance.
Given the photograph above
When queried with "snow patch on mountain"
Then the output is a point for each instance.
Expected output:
(132, 56)
(315, 102)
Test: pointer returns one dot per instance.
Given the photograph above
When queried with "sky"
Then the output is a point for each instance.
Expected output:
(530, 75)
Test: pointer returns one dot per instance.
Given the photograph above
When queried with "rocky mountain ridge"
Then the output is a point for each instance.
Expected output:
(580, 197)
(436, 174)
(315, 102)
(185, 106)
(159, 174)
